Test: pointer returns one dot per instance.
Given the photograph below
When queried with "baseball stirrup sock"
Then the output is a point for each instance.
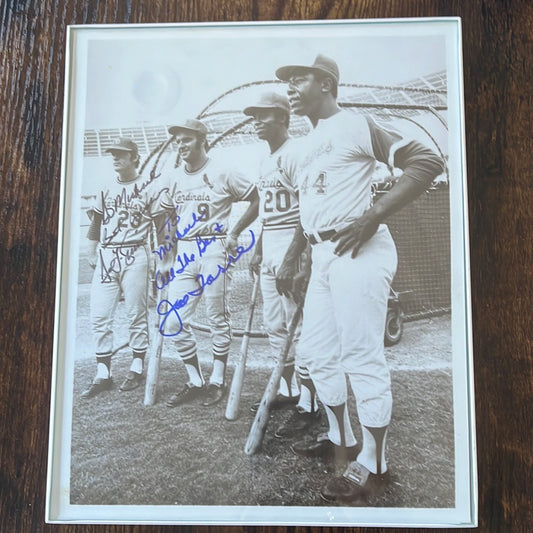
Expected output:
(137, 365)
(220, 359)
(103, 366)
(340, 429)
(190, 359)
(372, 455)
(308, 401)
(287, 385)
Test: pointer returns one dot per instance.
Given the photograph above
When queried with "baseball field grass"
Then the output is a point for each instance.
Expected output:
(125, 453)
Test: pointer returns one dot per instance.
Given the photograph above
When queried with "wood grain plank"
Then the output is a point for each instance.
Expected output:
(498, 90)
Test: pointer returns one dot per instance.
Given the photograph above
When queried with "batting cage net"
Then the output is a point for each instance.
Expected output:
(421, 230)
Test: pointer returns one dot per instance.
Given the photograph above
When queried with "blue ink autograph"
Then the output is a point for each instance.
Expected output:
(165, 308)
(174, 235)
(184, 259)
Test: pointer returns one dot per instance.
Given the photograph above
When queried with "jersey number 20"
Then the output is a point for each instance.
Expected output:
(281, 199)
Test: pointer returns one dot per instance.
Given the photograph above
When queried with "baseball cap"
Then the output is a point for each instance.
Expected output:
(123, 144)
(191, 124)
(322, 64)
(269, 100)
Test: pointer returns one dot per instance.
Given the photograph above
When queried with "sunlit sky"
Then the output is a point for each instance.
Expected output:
(160, 75)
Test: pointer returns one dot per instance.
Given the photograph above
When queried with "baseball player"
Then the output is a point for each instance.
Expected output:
(200, 200)
(121, 223)
(353, 264)
(278, 212)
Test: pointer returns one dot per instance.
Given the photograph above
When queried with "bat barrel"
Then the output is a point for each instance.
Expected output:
(232, 407)
(152, 374)
(257, 431)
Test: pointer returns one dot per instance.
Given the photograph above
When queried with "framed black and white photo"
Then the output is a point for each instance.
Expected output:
(263, 303)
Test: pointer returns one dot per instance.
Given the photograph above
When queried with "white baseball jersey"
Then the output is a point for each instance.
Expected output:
(127, 209)
(203, 199)
(334, 173)
(278, 206)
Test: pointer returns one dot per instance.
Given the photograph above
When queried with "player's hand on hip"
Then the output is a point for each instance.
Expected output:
(255, 265)
(353, 236)
(231, 244)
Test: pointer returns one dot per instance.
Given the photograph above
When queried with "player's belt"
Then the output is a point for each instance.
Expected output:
(217, 236)
(272, 227)
(320, 236)
(124, 245)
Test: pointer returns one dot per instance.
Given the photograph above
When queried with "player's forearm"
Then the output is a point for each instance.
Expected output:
(251, 213)
(93, 233)
(402, 194)
(420, 167)
(161, 226)
(92, 247)
(297, 246)
(258, 252)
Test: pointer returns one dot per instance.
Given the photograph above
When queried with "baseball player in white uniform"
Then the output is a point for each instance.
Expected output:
(279, 214)
(353, 264)
(200, 199)
(122, 220)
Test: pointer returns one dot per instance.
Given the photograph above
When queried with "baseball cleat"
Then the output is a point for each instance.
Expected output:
(323, 448)
(279, 402)
(132, 381)
(297, 423)
(213, 394)
(187, 394)
(357, 484)
(97, 386)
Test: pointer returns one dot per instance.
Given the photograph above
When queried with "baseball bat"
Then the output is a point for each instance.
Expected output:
(152, 374)
(234, 396)
(257, 431)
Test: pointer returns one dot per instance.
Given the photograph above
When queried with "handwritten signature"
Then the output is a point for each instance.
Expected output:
(124, 199)
(166, 308)
(126, 205)
(120, 258)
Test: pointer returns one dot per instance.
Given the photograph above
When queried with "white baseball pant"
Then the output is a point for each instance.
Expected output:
(344, 325)
(215, 296)
(130, 278)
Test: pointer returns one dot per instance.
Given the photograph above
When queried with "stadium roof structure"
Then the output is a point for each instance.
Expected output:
(229, 126)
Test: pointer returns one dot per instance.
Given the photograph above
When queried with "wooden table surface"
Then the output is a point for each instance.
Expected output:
(498, 96)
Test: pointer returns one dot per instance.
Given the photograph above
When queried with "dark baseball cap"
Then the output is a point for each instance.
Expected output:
(191, 124)
(322, 64)
(270, 100)
(123, 144)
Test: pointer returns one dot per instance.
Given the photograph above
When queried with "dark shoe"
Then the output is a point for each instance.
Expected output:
(323, 448)
(213, 394)
(279, 402)
(297, 423)
(132, 381)
(357, 484)
(97, 386)
(187, 394)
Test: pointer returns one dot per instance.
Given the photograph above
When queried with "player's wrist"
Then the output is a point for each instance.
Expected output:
(373, 216)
